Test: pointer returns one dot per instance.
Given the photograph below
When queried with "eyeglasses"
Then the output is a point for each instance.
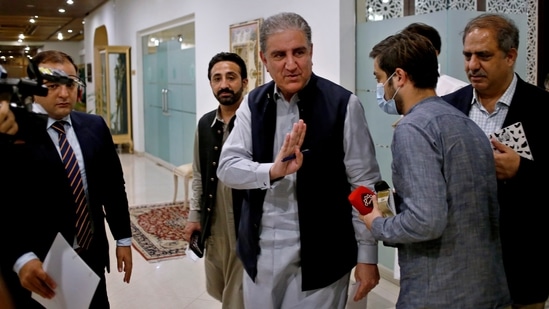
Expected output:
(54, 78)
(70, 83)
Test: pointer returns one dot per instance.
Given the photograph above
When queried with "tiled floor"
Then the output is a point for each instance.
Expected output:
(178, 283)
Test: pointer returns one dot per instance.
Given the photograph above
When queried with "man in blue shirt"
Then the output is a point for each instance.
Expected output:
(446, 227)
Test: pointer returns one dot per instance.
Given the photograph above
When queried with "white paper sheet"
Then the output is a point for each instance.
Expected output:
(191, 255)
(351, 304)
(76, 281)
(514, 137)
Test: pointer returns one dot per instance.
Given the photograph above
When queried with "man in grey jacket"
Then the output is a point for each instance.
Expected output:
(446, 227)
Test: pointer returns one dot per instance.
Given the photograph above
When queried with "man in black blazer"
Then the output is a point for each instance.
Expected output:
(496, 98)
(37, 198)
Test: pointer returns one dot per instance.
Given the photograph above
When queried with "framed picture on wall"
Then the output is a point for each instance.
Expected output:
(244, 41)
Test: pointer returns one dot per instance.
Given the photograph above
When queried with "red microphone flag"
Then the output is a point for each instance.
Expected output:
(361, 199)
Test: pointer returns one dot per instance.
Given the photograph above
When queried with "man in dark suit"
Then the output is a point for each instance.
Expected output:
(38, 200)
(497, 98)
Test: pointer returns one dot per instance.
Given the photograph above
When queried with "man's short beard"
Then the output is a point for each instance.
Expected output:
(230, 102)
(236, 97)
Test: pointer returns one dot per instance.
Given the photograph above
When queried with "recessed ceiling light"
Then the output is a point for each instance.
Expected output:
(32, 20)
(61, 10)
(70, 2)
(69, 31)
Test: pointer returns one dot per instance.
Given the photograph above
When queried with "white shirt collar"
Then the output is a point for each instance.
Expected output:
(39, 109)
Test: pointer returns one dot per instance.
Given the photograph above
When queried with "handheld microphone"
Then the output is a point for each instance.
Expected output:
(385, 199)
(361, 199)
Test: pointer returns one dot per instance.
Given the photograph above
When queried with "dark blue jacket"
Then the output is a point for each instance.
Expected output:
(39, 200)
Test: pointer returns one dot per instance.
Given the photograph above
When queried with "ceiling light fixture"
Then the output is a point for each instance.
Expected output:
(69, 2)
(61, 10)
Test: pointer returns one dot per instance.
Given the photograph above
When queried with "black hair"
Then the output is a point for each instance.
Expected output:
(411, 52)
(54, 56)
(226, 56)
(427, 31)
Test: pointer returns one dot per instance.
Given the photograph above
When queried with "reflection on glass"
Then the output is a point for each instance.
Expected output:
(114, 101)
(119, 108)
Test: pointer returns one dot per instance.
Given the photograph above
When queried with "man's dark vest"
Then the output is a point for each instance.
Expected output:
(209, 149)
(328, 244)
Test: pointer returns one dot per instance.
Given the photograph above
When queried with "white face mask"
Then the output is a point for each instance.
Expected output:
(387, 106)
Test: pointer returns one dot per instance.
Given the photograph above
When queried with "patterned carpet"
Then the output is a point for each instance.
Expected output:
(158, 230)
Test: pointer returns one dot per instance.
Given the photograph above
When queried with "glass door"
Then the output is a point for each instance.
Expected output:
(170, 93)
(113, 101)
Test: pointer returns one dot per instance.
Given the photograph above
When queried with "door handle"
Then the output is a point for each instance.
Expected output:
(163, 101)
(165, 110)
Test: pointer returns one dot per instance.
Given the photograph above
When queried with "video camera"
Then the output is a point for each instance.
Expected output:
(20, 92)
